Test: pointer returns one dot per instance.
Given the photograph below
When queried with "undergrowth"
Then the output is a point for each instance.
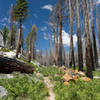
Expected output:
(24, 86)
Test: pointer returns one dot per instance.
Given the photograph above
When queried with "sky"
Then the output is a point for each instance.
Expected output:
(39, 13)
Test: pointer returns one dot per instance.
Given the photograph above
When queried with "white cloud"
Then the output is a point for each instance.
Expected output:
(5, 19)
(47, 7)
(23, 26)
(37, 50)
(46, 37)
(43, 28)
(98, 1)
(66, 39)
(16, 23)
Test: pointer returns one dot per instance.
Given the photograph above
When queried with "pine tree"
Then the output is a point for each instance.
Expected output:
(20, 13)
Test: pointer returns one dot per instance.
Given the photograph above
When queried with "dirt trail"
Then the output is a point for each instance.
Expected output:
(50, 88)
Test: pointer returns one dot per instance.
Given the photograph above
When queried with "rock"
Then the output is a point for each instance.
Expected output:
(69, 71)
(85, 79)
(67, 77)
(76, 77)
(1, 53)
(3, 92)
(11, 54)
(66, 83)
(35, 63)
(96, 77)
(76, 71)
(81, 74)
(38, 74)
(6, 76)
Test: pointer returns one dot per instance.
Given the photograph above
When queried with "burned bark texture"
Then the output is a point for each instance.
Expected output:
(88, 42)
(80, 54)
(72, 59)
(93, 36)
(60, 44)
(8, 65)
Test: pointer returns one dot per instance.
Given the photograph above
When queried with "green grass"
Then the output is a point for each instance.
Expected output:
(79, 90)
(24, 86)
(96, 73)
(5, 50)
(52, 72)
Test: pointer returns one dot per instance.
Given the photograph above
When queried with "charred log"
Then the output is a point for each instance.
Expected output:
(8, 65)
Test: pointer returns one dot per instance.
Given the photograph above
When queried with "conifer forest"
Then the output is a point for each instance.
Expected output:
(49, 49)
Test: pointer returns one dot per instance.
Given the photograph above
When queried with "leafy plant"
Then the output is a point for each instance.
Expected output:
(24, 86)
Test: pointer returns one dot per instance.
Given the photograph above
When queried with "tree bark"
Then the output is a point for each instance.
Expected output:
(88, 44)
(56, 56)
(60, 44)
(8, 65)
(98, 26)
(11, 27)
(19, 44)
(93, 36)
(80, 54)
(72, 59)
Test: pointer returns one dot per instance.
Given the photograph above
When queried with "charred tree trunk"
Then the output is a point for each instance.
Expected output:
(98, 26)
(60, 43)
(19, 44)
(88, 43)
(8, 65)
(11, 27)
(72, 59)
(93, 36)
(54, 44)
(56, 56)
(80, 54)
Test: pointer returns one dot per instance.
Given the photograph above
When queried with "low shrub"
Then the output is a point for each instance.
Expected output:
(79, 90)
(24, 86)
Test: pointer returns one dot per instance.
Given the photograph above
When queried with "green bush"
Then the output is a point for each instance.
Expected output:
(78, 91)
(5, 50)
(96, 73)
(52, 72)
(24, 86)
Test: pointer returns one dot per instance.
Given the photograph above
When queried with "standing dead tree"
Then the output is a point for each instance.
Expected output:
(72, 59)
(80, 53)
(93, 36)
(88, 43)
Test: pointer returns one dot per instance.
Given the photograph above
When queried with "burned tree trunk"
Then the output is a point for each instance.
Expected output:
(56, 55)
(93, 36)
(8, 65)
(80, 54)
(88, 43)
(60, 44)
(72, 59)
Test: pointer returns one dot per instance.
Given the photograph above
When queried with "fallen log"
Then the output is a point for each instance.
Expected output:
(8, 65)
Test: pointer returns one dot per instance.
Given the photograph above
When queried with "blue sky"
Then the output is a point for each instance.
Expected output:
(39, 12)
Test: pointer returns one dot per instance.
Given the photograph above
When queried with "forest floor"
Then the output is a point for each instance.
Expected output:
(46, 83)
